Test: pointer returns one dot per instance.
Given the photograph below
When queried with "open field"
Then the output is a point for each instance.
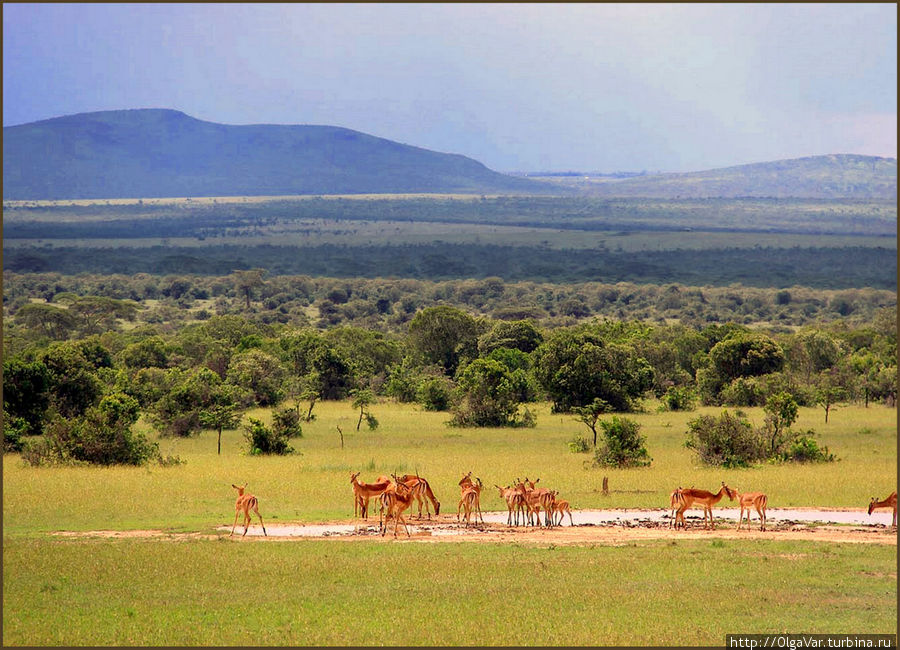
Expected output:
(204, 592)
(182, 585)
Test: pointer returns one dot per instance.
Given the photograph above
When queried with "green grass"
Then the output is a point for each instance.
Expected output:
(180, 590)
(313, 485)
(141, 592)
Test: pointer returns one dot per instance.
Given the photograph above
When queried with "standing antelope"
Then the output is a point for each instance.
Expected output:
(890, 502)
(362, 492)
(756, 500)
(396, 501)
(675, 501)
(704, 499)
(466, 484)
(471, 500)
(246, 503)
(515, 503)
(561, 506)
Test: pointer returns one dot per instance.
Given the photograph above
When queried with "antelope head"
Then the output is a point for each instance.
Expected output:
(872, 505)
(353, 477)
(730, 492)
(240, 488)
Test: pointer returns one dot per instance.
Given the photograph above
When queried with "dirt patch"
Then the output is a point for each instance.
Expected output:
(626, 528)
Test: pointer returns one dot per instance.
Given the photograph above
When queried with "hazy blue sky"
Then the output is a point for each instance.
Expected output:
(601, 87)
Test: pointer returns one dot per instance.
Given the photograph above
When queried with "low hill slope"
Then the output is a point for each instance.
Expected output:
(817, 177)
(165, 153)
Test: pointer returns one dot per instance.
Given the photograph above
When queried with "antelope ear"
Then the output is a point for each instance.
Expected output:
(235, 486)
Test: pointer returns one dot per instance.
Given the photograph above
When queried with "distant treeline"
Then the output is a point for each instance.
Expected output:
(826, 268)
(186, 219)
(387, 304)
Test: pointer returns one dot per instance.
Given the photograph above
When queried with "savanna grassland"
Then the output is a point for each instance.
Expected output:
(183, 590)
(155, 301)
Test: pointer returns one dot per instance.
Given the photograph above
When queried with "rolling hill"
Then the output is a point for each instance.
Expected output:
(165, 153)
(844, 176)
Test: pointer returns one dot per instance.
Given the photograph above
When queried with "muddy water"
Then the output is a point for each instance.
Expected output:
(448, 527)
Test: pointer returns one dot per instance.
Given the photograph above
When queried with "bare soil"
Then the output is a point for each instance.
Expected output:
(445, 528)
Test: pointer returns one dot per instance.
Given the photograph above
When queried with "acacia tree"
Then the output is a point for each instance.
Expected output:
(246, 281)
(218, 417)
(591, 413)
(362, 399)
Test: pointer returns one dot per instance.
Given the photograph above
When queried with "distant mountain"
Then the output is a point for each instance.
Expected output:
(818, 177)
(164, 153)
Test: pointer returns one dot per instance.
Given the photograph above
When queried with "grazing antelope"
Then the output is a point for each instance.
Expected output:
(756, 500)
(890, 502)
(422, 491)
(561, 506)
(704, 499)
(362, 492)
(395, 501)
(246, 503)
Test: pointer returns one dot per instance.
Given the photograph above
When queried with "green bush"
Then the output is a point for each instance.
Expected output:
(623, 445)
(679, 398)
(804, 449)
(579, 445)
(263, 440)
(435, 393)
(14, 428)
(728, 440)
(102, 436)
(286, 423)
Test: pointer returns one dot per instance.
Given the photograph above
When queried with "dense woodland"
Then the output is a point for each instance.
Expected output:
(92, 353)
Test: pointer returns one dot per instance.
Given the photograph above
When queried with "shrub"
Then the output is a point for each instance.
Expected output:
(623, 445)
(13, 430)
(728, 440)
(804, 449)
(102, 436)
(435, 393)
(743, 391)
(286, 422)
(263, 440)
(679, 398)
(579, 445)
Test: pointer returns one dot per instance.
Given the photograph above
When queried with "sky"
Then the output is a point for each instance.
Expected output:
(518, 87)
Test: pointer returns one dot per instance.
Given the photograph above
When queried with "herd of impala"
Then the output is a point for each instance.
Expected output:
(524, 502)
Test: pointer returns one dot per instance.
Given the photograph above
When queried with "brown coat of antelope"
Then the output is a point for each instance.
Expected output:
(704, 499)
(466, 484)
(675, 501)
(889, 502)
(246, 503)
(515, 504)
(362, 492)
(395, 501)
(561, 506)
(471, 501)
(422, 493)
(538, 498)
(756, 500)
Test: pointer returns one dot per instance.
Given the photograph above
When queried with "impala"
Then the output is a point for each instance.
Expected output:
(246, 503)
(471, 501)
(362, 492)
(465, 484)
(515, 503)
(539, 498)
(422, 491)
(704, 499)
(675, 501)
(756, 500)
(561, 506)
(890, 502)
(396, 501)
